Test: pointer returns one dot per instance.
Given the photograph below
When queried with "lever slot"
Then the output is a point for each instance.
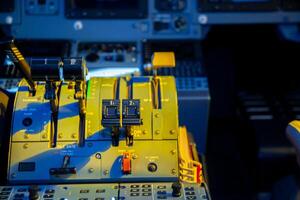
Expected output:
(64, 170)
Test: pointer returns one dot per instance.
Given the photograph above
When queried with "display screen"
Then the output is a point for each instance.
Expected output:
(237, 5)
(125, 9)
(7, 5)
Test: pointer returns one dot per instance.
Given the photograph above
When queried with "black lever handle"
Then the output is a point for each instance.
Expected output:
(9, 47)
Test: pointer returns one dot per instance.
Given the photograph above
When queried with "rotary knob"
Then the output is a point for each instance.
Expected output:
(152, 167)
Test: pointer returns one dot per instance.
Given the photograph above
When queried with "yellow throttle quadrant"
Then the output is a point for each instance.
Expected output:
(130, 132)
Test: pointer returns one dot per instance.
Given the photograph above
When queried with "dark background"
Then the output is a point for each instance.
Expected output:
(256, 60)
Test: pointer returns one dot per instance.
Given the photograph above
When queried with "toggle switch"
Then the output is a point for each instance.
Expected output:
(126, 163)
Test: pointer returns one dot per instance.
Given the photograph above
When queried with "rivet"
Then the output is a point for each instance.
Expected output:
(172, 132)
(25, 146)
(144, 132)
(173, 151)
(91, 170)
(13, 175)
(173, 171)
(60, 135)
(134, 156)
(26, 136)
(98, 155)
(157, 132)
(105, 172)
(44, 136)
(73, 135)
(157, 115)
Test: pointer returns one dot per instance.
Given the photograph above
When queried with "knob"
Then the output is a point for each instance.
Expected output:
(27, 121)
(180, 23)
(176, 187)
(152, 167)
(33, 192)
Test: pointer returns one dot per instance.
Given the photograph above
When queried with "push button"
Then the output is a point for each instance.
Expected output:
(48, 196)
(19, 195)
(126, 163)
(7, 189)
(100, 190)
(49, 191)
(84, 191)
(134, 190)
(22, 190)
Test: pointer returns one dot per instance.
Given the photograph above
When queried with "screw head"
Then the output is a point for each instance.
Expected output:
(98, 155)
(173, 171)
(13, 175)
(25, 146)
(105, 172)
(91, 170)
(9, 20)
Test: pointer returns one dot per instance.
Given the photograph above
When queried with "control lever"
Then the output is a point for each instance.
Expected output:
(64, 170)
(49, 70)
(111, 118)
(159, 60)
(51, 94)
(75, 70)
(19, 61)
(80, 88)
(130, 117)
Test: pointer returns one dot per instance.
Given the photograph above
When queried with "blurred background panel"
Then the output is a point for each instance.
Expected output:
(237, 73)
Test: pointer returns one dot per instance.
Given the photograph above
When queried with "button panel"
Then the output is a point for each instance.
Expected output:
(138, 191)
(63, 192)
(147, 191)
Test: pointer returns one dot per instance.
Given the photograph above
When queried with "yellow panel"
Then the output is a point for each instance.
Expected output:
(93, 122)
(163, 59)
(296, 125)
(169, 107)
(142, 91)
(35, 108)
(68, 118)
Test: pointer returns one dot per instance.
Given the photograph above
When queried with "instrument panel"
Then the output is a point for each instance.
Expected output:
(141, 191)
(105, 9)
(136, 19)
(238, 5)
